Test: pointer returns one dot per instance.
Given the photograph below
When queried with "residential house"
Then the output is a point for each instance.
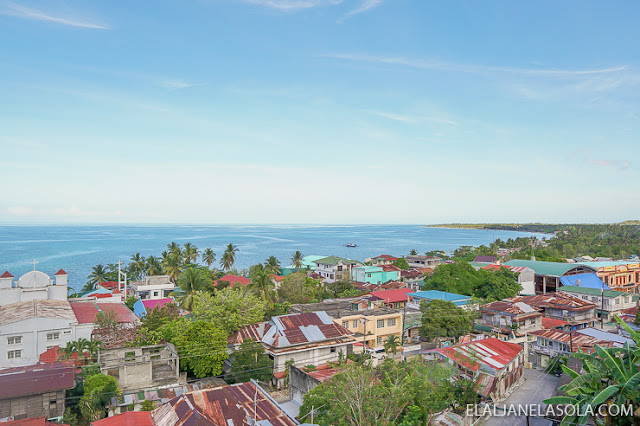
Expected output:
(142, 307)
(396, 299)
(485, 259)
(555, 323)
(383, 259)
(375, 274)
(464, 302)
(310, 338)
(301, 380)
(34, 285)
(233, 280)
(152, 287)
(334, 268)
(512, 320)
(418, 261)
(608, 302)
(365, 317)
(35, 390)
(413, 278)
(105, 295)
(629, 316)
(142, 366)
(577, 312)
(547, 274)
(494, 365)
(526, 277)
(620, 275)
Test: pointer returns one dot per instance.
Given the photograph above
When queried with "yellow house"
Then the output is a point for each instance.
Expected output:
(369, 322)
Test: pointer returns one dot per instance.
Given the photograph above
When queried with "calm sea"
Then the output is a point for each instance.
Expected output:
(77, 248)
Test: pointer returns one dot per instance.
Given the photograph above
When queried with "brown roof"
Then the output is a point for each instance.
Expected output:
(227, 405)
(577, 340)
(6, 275)
(412, 273)
(53, 309)
(556, 300)
(516, 308)
(61, 272)
(35, 379)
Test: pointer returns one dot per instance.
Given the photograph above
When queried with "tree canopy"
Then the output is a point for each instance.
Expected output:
(229, 308)
(441, 318)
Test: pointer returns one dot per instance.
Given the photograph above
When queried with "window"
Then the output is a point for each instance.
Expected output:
(15, 354)
(391, 322)
(626, 299)
(345, 324)
(333, 349)
(129, 356)
(53, 336)
(379, 340)
(66, 332)
(14, 340)
(354, 324)
(155, 294)
(380, 323)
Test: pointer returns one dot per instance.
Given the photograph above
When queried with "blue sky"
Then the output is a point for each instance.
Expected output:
(319, 111)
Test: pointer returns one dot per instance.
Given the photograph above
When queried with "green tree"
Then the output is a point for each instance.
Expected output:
(191, 281)
(158, 317)
(296, 259)
(262, 284)
(137, 266)
(208, 257)
(413, 252)
(391, 344)
(202, 347)
(69, 417)
(98, 274)
(272, 265)
(153, 267)
(401, 263)
(147, 405)
(250, 362)
(129, 302)
(98, 391)
(297, 288)
(172, 266)
(441, 318)
(229, 308)
(190, 253)
(228, 257)
(174, 248)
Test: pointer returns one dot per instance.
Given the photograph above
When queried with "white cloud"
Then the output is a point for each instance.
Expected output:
(12, 9)
(364, 7)
(294, 5)
(19, 210)
(404, 118)
(177, 83)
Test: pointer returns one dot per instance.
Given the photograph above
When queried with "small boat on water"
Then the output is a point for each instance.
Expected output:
(351, 245)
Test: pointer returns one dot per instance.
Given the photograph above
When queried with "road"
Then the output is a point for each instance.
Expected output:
(537, 387)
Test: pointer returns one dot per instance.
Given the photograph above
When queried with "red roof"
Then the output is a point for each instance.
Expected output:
(109, 285)
(553, 323)
(50, 356)
(393, 296)
(150, 305)
(86, 312)
(35, 379)
(60, 272)
(33, 421)
(6, 275)
(515, 269)
(491, 352)
(232, 279)
(277, 277)
(130, 418)
(385, 257)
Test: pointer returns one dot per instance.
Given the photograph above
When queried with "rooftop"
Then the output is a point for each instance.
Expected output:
(35, 379)
(458, 299)
(590, 280)
(553, 322)
(129, 418)
(516, 308)
(233, 279)
(492, 352)
(485, 259)
(86, 312)
(150, 305)
(339, 308)
(393, 296)
(334, 260)
(591, 291)
(556, 301)
(385, 257)
(577, 340)
(555, 269)
(605, 264)
(52, 309)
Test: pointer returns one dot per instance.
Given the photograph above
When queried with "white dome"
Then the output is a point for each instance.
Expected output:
(34, 279)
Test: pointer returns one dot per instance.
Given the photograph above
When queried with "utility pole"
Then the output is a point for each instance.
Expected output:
(602, 308)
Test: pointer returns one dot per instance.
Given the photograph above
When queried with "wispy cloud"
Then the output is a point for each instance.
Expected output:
(405, 118)
(365, 6)
(470, 68)
(293, 5)
(11, 9)
(177, 83)
(588, 158)
(19, 210)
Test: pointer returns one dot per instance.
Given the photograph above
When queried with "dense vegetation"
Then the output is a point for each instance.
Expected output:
(443, 319)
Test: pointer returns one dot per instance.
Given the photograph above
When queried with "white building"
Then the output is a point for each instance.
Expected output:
(33, 285)
(334, 268)
(152, 287)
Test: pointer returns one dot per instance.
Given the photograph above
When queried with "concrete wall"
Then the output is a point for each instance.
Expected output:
(50, 404)
(299, 384)
(313, 356)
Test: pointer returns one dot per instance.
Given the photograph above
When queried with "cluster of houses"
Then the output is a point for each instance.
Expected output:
(562, 308)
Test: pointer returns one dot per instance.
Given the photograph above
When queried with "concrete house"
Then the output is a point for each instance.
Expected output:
(334, 268)
(152, 287)
(563, 306)
(417, 261)
(33, 285)
(375, 274)
(513, 320)
(614, 301)
(383, 259)
(35, 390)
(307, 338)
(143, 366)
(620, 275)
(526, 277)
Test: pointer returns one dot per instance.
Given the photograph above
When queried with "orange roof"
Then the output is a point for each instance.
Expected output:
(232, 279)
(130, 418)
(553, 322)
(393, 296)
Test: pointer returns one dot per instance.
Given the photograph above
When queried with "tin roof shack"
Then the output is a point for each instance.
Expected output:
(307, 338)
(302, 381)
(494, 365)
(613, 304)
(239, 404)
(547, 274)
(143, 366)
(35, 391)
(513, 320)
(577, 312)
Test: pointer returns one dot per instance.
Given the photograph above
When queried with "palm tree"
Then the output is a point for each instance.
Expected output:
(261, 283)
(174, 248)
(98, 274)
(137, 265)
(153, 266)
(67, 352)
(272, 265)
(190, 253)
(229, 257)
(413, 252)
(172, 266)
(208, 257)
(188, 283)
(391, 344)
(296, 260)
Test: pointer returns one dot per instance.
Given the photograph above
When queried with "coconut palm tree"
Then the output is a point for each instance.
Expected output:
(98, 274)
(413, 252)
(137, 265)
(190, 253)
(172, 266)
(208, 257)
(262, 284)
(391, 344)
(272, 265)
(188, 283)
(296, 260)
(153, 267)
(228, 257)
(174, 248)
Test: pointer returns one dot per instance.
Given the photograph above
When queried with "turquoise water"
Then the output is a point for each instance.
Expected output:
(77, 248)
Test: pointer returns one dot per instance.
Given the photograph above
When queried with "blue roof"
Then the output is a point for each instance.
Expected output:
(457, 299)
(589, 280)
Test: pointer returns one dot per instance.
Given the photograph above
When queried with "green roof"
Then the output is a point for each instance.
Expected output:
(555, 269)
(591, 291)
(482, 327)
(334, 260)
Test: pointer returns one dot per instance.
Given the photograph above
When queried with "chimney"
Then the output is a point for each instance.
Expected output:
(6, 280)
(61, 277)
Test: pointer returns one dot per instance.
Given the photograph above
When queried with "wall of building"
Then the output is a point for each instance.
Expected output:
(50, 404)
(299, 384)
(312, 356)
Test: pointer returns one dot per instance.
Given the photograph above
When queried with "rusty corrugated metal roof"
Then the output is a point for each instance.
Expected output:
(555, 300)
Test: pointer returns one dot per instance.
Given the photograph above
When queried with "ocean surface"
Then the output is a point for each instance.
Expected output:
(77, 248)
